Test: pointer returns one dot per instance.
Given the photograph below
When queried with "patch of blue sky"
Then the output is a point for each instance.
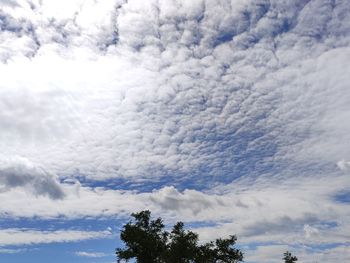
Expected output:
(328, 224)
(223, 38)
(231, 165)
(342, 197)
(8, 24)
(104, 247)
(323, 246)
(308, 247)
(64, 252)
(199, 224)
(85, 224)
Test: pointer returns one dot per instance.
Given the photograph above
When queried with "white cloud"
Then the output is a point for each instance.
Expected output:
(90, 254)
(213, 87)
(16, 237)
(343, 165)
(78, 202)
(12, 250)
(200, 92)
(274, 253)
(293, 211)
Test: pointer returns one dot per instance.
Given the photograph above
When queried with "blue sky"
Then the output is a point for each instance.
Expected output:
(232, 116)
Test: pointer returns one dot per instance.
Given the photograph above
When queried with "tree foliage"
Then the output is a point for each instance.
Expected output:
(288, 258)
(146, 241)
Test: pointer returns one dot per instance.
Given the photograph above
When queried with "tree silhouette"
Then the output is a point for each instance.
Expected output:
(288, 258)
(182, 246)
(146, 241)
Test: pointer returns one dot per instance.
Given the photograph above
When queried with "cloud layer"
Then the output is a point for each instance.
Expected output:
(233, 114)
(183, 90)
(29, 236)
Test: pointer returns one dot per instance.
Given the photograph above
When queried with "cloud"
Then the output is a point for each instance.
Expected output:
(293, 211)
(343, 165)
(274, 253)
(169, 198)
(20, 172)
(90, 254)
(16, 237)
(11, 251)
(227, 110)
(200, 90)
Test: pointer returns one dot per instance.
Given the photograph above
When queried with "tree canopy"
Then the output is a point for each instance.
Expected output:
(288, 258)
(146, 241)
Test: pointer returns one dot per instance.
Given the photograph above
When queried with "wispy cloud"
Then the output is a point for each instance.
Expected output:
(16, 236)
(90, 254)
(12, 250)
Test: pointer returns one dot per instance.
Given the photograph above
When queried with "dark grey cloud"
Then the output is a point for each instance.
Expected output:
(284, 224)
(34, 179)
(172, 200)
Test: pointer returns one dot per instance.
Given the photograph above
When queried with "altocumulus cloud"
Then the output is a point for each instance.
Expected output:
(244, 102)
(199, 89)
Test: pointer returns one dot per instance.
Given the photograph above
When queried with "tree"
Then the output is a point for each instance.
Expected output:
(145, 239)
(147, 242)
(288, 258)
(182, 246)
(225, 252)
(220, 251)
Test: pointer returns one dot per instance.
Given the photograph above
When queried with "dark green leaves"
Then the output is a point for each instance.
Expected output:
(288, 258)
(147, 242)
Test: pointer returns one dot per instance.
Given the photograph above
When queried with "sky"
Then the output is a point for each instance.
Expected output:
(229, 115)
